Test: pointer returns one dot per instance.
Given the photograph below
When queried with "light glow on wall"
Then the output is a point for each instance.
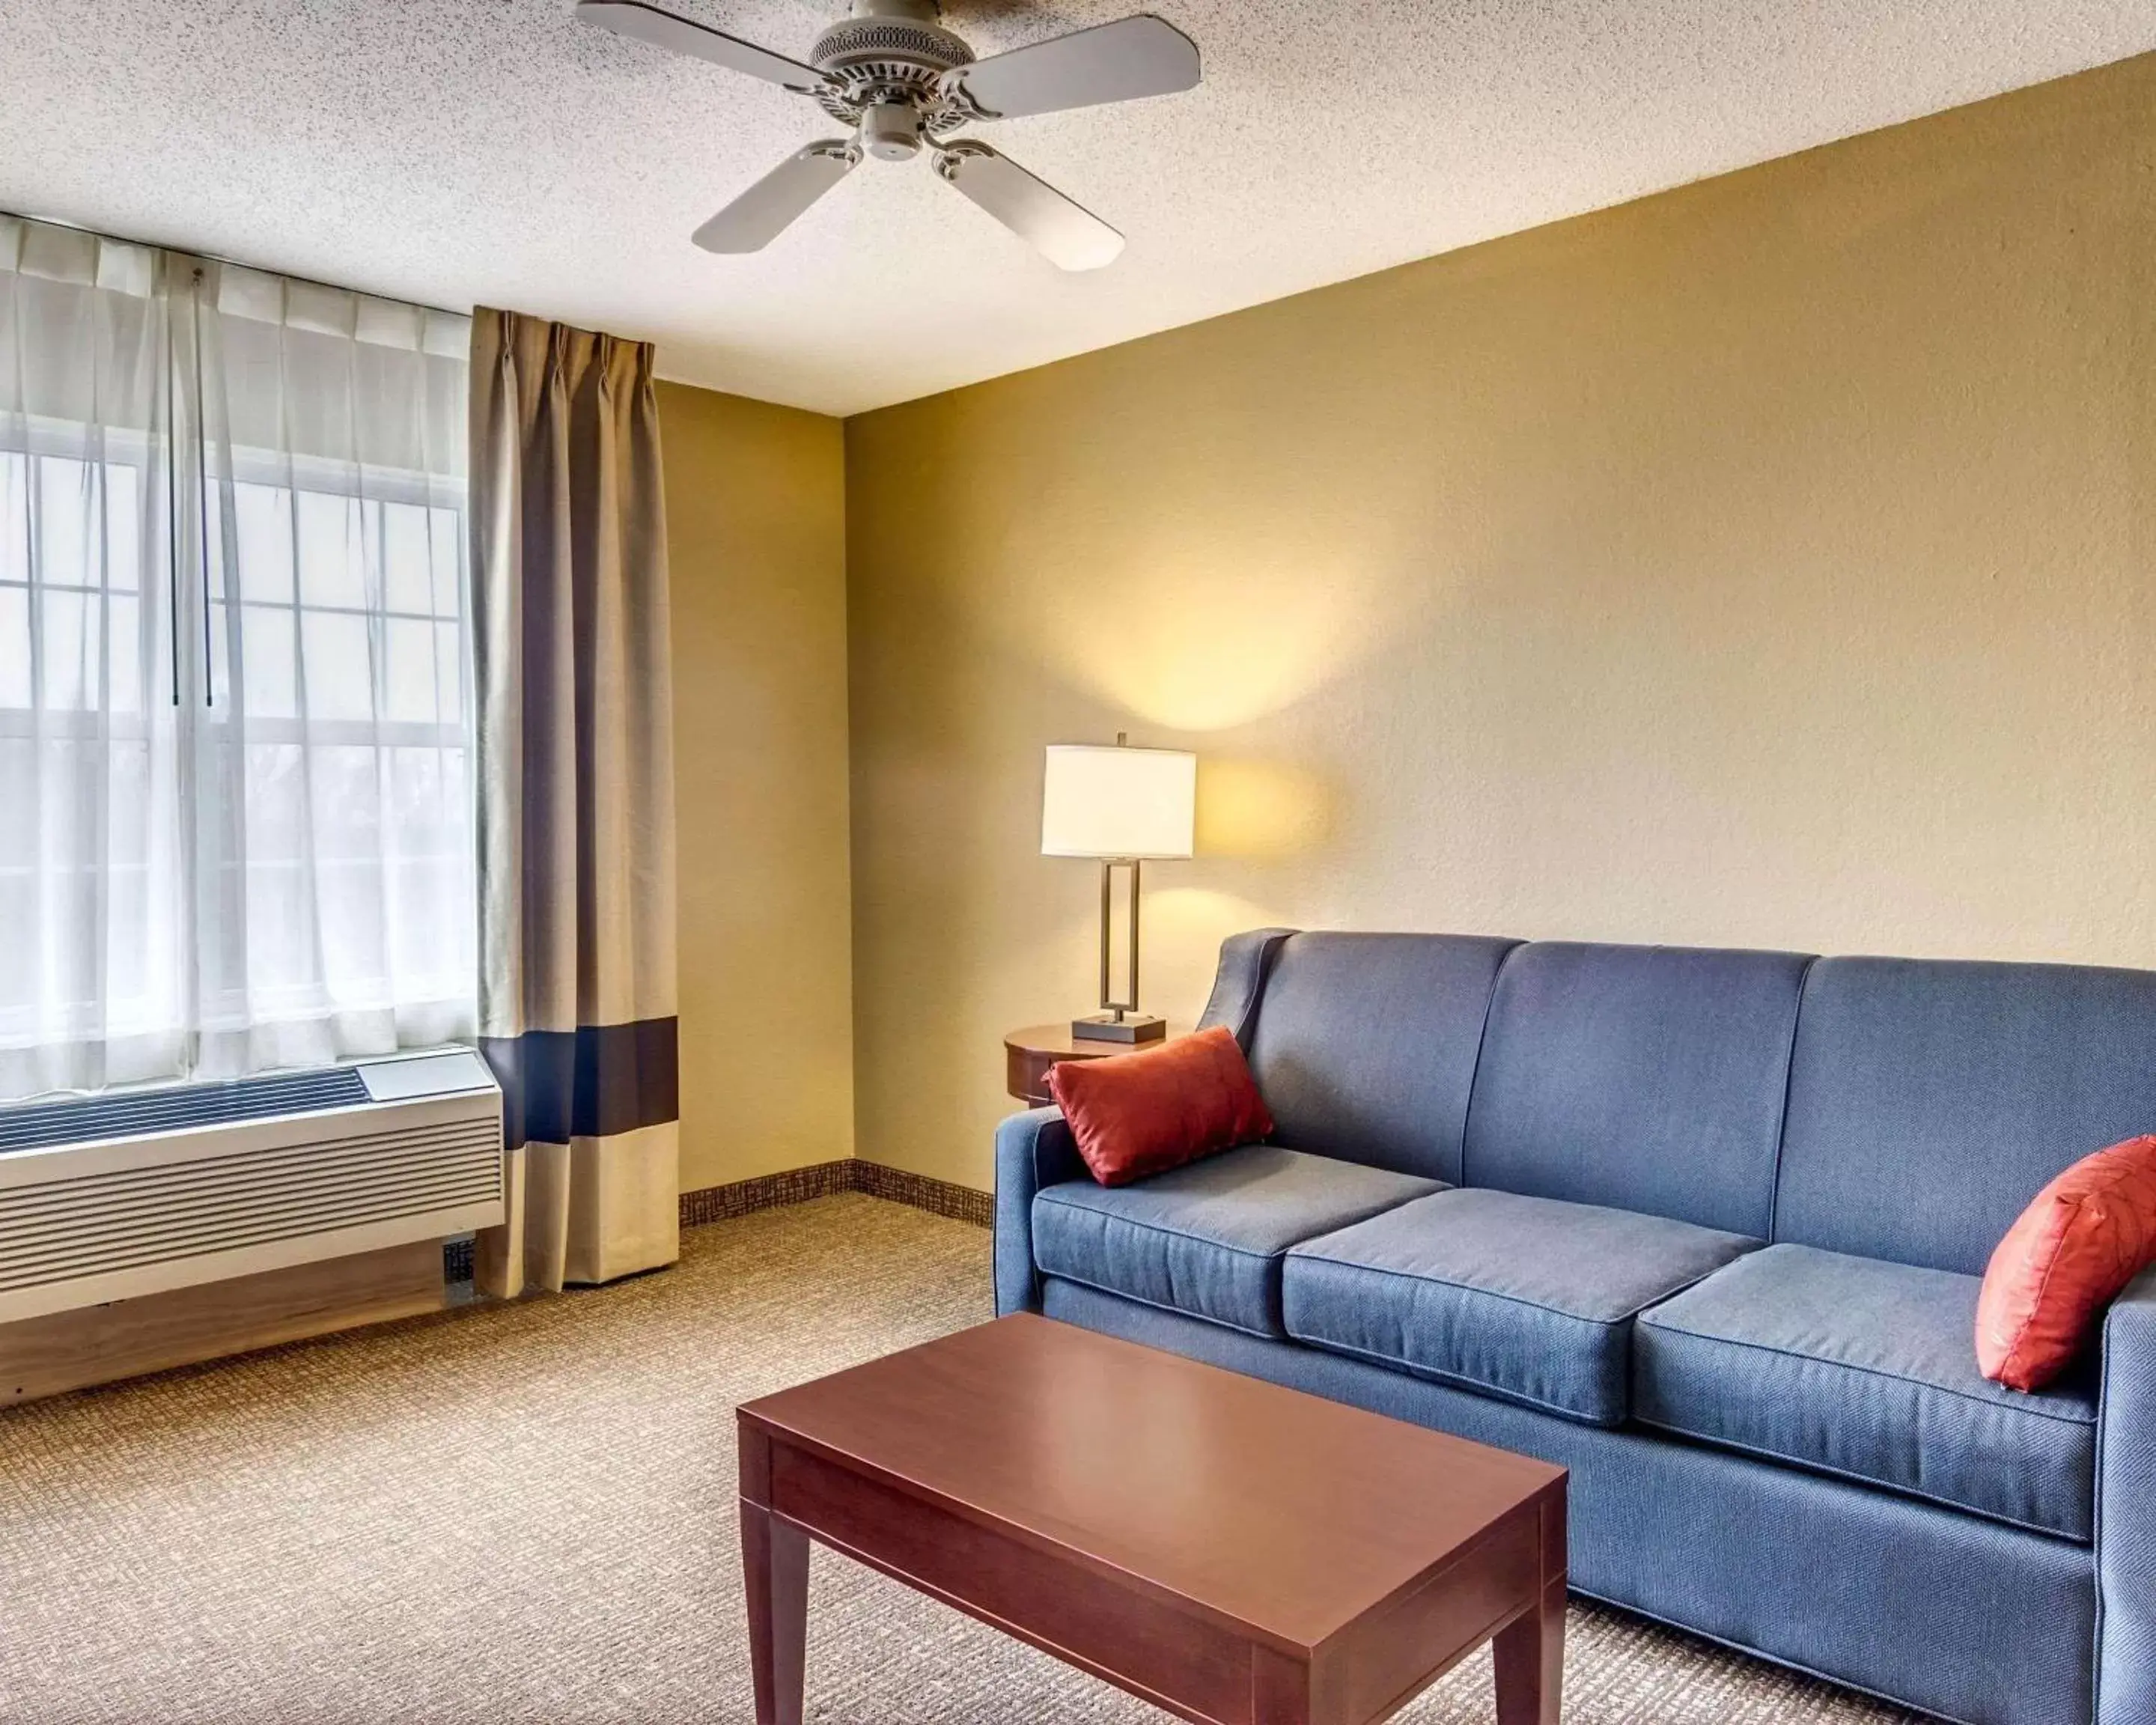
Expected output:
(1200, 636)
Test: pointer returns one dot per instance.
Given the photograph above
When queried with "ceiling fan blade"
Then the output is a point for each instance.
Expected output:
(1067, 234)
(780, 198)
(1137, 56)
(648, 23)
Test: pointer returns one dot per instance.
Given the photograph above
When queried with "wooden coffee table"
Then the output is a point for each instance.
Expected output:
(1230, 1551)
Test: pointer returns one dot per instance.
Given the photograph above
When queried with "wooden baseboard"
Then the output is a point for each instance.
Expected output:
(766, 1192)
(939, 1198)
(72, 1350)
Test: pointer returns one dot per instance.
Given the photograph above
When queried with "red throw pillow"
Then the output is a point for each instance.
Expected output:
(2088, 1234)
(1140, 1114)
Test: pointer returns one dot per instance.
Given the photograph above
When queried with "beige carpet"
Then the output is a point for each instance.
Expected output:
(525, 1514)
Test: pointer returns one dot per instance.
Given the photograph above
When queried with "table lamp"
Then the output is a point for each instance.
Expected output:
(1126, 807)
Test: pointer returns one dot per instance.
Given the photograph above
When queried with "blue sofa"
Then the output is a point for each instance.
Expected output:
(1706, 1227)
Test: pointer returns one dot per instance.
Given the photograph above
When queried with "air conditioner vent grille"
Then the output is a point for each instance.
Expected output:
(132, 1114)
(125, 1219)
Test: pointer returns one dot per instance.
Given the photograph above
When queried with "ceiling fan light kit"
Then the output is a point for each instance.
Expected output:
(904, 84)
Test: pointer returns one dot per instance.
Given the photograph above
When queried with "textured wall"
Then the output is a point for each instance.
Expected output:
(756, 537)
(1767, 563)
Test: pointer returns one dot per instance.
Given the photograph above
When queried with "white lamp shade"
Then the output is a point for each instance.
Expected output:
(1118, 802)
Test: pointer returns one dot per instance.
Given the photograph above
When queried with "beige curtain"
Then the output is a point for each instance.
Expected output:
(576, 814)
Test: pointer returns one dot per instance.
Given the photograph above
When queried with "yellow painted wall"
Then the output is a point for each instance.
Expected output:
(756, 542)
(1772, 562)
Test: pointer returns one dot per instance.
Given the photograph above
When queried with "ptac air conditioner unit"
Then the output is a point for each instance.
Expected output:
(133, 1192)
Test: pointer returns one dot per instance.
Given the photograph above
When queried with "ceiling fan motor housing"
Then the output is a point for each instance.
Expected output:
(888, 61)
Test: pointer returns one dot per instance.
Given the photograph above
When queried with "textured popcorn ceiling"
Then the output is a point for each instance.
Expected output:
(494, 150)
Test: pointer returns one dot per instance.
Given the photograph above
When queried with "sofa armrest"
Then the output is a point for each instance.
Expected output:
(2126, 1510)
(1033, 1150)
(1246, 960)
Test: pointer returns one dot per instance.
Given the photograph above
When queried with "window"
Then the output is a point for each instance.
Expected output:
(235, 720)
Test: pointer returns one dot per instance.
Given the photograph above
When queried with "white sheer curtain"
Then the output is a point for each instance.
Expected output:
(335, 907)
(235, 807)
(92, 985)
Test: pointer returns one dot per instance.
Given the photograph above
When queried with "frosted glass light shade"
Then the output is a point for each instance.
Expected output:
(1118, 802)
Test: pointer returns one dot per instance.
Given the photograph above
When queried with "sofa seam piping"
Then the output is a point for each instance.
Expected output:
(1981, 1401)
(1041, 1196)
(2096, 1533)
(1481, 1046)
(1106, 1217)
(1464, 1385)
(1043, 1120)
(1201, 1317)
(1632, 1315)
(1789, 1089)
(1805, 1465)
(1268, 956)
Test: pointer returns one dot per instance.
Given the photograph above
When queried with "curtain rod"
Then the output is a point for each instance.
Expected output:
(236, 262)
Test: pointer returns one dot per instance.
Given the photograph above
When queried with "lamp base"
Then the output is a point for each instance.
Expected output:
(1131, 1027)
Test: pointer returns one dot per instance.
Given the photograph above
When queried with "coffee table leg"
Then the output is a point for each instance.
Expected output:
(775, 1563)
(1530, 1652)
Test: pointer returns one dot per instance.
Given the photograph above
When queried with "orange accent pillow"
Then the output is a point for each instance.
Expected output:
(2073, 1251)
(1143, 1113)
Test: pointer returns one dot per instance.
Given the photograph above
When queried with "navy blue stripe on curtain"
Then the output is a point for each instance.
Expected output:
(591, 1082)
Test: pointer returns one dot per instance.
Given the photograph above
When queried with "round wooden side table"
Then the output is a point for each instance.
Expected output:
(1029, 1054)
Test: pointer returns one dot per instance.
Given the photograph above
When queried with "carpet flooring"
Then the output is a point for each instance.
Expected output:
(525, 1513)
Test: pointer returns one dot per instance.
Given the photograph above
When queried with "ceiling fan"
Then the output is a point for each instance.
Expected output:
(903, 83)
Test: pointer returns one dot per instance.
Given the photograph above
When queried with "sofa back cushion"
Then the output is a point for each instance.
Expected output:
(1646, 1078)
(1931, 1101)
(1364, 1045)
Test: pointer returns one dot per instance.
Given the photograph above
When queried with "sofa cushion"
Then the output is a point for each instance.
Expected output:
(1364, 1045)
(1971, 1084)
(1650, 1078)
(1207, 1239)
(1867, 1370)
(1529, 1298)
